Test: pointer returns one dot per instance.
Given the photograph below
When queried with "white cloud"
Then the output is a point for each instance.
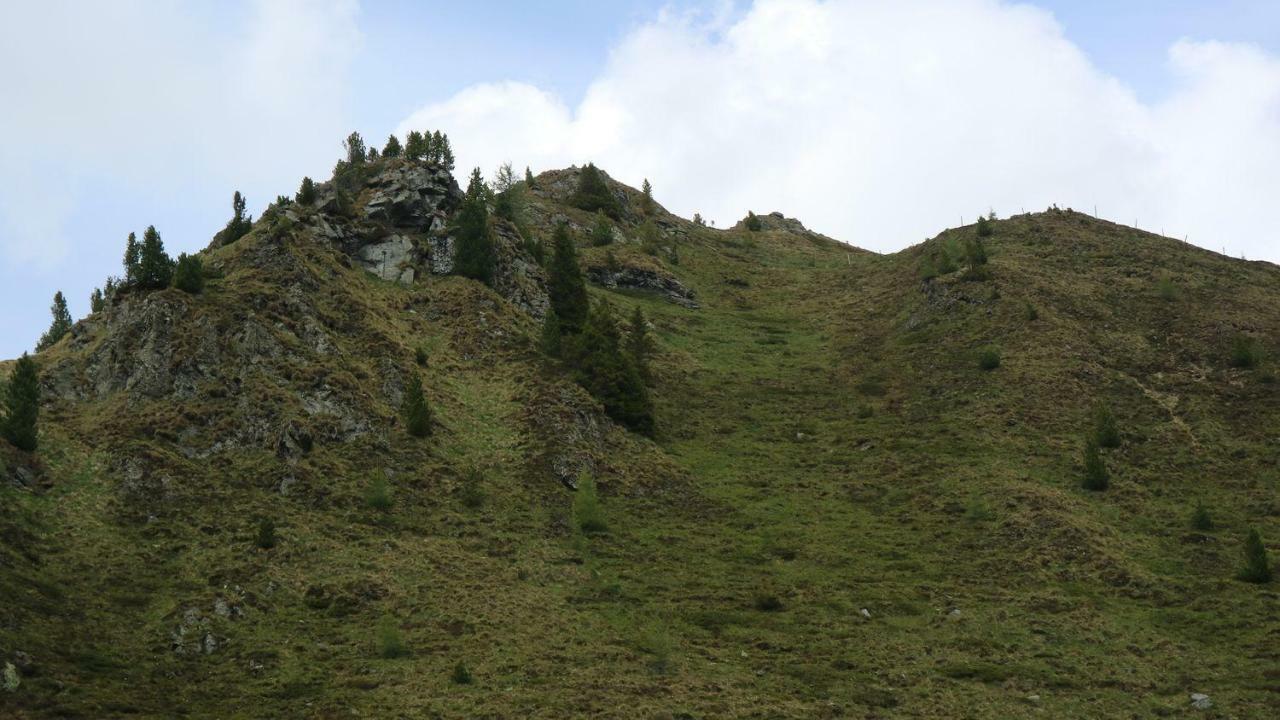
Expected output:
(882, 123)
(154, 97)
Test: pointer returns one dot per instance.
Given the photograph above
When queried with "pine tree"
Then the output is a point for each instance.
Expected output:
(373, 154)
(132, 256)
(985, 227)
(415, 145)
(646, 199)
(431, 147)
(392, 149)
(97, 303)
(354, 145)
(240, 224)
(417, 415)
(188, 276)
(1096, 477)
(593, 193)
(566, 287)
(602, 231)
(639, 345)
(61, 323)
(528, 177)
(307, 192)
(446, 151)
(1257, 567)
(550, 341)
(22, 405)
(474, 252)
(1105, 430)
(607, 373)
(155, 269)
(508, 194)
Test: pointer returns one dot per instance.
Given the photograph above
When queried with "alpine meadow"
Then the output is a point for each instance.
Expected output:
(418, 440)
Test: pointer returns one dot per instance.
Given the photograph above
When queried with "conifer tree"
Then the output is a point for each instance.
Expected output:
(155, 268)
(22, 405)
(240, 224)
(446, 151)
(639, 345)
(607, 373)
(566, 287)
(306, 192)
(415, 145)
(1105, 430)
(417, 414)
(373, 154)
(1096, 477)
(354, 145)
(474, 252)
(593, 193)
(528, 177)
(646, 198)
(392, 149)
(602, 231)
(96, 301)
(188, 276)
(132, 258)
(61, 323)
(508, 194)
(550, 341)
(1257, 567)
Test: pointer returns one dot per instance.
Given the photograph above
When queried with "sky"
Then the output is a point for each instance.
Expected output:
(877, 123)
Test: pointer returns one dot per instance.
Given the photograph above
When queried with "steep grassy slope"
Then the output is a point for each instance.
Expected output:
(841, 515)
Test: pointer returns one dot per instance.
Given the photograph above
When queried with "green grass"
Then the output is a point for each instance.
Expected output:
(825, 445)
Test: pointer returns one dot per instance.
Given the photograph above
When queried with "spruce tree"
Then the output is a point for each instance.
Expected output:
(474, 252)
(155, 269)
(639, 345)
(417, 415)
(446, 151)
(415, 145)
(607, 373)
(1257, 566)
(132, 257)
(593, 193)
(188, 276)
(22, 405)
(646, 198)
(373, 154)
(307, 192)
(240, 224)
(392, 149)
(566, 286)
(602, 232)
(528, 177)
(550, 341)
(1096, 477)
(61, 323)
(1105, 429)
(97, 303)
(354, 146)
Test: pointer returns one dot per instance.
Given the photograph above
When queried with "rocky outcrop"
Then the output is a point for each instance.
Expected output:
(645, 280)
(411, 195)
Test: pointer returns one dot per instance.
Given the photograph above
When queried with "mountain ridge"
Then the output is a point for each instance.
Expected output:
(841, 512)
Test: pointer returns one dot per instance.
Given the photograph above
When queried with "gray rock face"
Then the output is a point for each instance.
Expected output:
(392, 259)
(412, 195)
(634, 278)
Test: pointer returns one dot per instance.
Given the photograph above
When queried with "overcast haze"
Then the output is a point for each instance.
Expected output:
(877, 123)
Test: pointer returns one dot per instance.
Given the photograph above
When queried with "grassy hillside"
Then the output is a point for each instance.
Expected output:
(842, 513)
